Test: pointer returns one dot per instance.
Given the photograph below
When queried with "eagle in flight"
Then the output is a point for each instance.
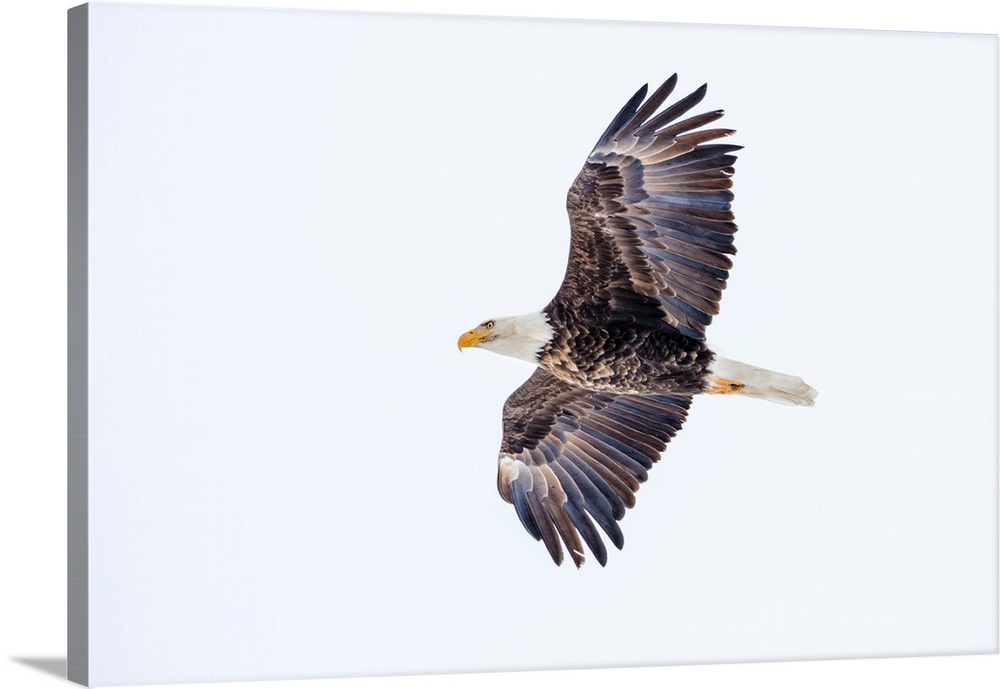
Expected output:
(620, 350)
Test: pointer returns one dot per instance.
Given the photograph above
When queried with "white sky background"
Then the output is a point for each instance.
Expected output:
(294, 215)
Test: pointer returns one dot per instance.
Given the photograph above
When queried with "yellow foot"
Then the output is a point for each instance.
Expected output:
(724, 386)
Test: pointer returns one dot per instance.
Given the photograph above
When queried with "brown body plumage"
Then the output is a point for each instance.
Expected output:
(614, 357)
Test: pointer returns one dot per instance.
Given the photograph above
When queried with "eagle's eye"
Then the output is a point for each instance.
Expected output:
(489, 325)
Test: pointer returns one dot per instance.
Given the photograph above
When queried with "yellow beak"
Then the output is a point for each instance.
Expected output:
(470, 339)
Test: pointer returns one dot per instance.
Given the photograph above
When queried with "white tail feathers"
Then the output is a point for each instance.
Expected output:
(759, 382)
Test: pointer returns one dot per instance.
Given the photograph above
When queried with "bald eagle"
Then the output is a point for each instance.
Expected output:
(620, 350)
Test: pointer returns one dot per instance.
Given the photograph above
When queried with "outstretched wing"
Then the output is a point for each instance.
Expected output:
(651, 220)
(571, 457)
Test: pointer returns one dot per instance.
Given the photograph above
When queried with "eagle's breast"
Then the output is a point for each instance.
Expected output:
(623, 358)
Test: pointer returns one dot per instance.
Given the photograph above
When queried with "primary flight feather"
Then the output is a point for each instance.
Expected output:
(620, 350)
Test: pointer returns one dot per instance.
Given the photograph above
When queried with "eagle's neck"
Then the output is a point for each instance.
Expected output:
(524, 336)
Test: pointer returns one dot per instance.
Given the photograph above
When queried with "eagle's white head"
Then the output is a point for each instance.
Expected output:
(521, 337)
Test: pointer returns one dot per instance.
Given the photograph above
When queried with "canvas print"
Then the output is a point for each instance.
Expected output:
(621, 347)
(281, 465)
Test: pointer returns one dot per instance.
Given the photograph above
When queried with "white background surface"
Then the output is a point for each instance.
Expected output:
(35, 417)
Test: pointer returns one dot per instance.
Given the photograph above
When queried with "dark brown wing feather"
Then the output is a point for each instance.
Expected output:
(571, 458)
(652, 227)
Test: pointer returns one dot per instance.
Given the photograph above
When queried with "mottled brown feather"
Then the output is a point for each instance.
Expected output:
(578, 475)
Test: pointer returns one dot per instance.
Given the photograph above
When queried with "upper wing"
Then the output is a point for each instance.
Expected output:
(651, 220)
(568, 453)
